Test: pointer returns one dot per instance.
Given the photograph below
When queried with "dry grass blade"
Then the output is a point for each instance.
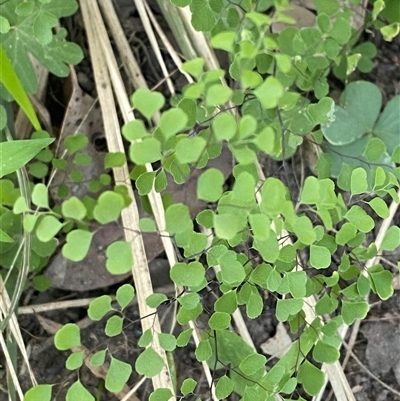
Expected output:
(171, 51)
(130, 216)
(129, 62)
(153, 41)
(10, 367)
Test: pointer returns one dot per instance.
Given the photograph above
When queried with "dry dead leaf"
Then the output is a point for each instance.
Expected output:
(278, 345)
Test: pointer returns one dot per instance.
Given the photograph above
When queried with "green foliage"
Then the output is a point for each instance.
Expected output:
(359, 136)
(277, 101)
(39, 392)
(35, 20)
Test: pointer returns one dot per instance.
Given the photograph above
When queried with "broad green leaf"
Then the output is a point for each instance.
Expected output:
(78, 392)
(74, 361)
(209, 185)
(325, 353)
(310, 192)
(184, 338)
(270, 92)
(190, 275)
(188, 386)
(374, 150)
(149, 363)
(254, 305)
(232, 271)
(189, 150)
(190, 300)
(359, 184)
(77, 245)
(133, 130)
(117, 375)
(251, 79)
(40, 196)
(42, 26)
(321, 112)
(252, 364)
(119, 257)
(218, 94)
(161, 394)
(144, 183)
(189, 106)
(360, 219)
(380, 207)
(297, 283)
(4, 25)
(69, 336)
(73, 208)
(193, 67)
(352, 310)
(109, 207)
(76, 142)
(172, 122)
(40, 392)
(146, 338)
(391, 240)
(167, 341)
(114, 159)
(160, 182)
(346, 233)
(360, 105)
(203, 18)
(9, 78)
(311, 377)
(341, 31)
(4, 237)
(224, 387)
(147, 225)
(147, 151)
(320, 257)
(99, 307)
(114, 326)
(274, 193)
(304, 230)
(155, 300)
(288, 307)
(387, 127)
(147, 102)
(274, 280)
(224, 40)
(48, 228)
(219, 321)
(381, 281)
(390, 31)
(260, 226)
(266, 140)
(224, 126)
(226, 225)
(326, 305)
(177, 218)
(203, 350)
(226, 303)
(98, 358)
(125, 295)
(16, 154)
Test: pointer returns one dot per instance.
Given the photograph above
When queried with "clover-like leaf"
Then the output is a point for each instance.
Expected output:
(360, 105)
(117, 375)
(69, 336)
(147, 102)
